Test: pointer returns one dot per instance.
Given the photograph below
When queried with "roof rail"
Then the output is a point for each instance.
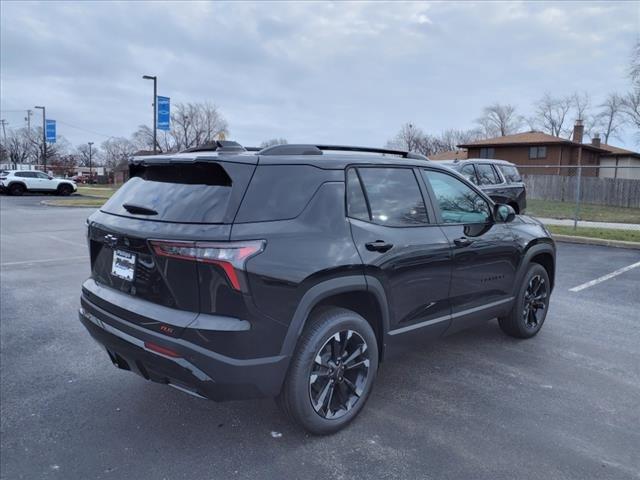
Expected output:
(218, 145)
(302, 149)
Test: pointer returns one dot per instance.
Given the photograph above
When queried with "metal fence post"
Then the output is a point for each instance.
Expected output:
(577, 212)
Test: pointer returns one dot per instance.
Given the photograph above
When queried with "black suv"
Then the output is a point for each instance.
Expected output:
(497, 178)
(293, 271)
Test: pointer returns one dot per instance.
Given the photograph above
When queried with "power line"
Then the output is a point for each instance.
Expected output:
(84, 129)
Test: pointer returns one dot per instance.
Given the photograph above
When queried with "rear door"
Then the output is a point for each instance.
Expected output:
(141, 238)
(410, 256)
(485, 253)
(44, 182)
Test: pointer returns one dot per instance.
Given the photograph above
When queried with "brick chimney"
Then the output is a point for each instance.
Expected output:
(578, 131)
(595, 141)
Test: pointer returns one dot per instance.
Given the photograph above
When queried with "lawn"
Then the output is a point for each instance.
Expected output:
(596, 213)
(602, 233)
(97, 191)
(77, 202)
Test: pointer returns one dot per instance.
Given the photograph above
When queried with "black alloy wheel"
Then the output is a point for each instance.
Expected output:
(339, 374)
(535, 302)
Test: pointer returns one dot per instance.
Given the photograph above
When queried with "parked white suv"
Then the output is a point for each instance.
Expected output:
(16, 182)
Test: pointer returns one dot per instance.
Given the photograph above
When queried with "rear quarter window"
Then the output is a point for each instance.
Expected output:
(281, 192)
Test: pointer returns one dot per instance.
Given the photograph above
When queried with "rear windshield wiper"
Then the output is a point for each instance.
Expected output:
(138, 210)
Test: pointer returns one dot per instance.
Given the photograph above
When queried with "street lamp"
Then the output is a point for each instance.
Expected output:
(90, 172)
(44, 136)
(155, 113)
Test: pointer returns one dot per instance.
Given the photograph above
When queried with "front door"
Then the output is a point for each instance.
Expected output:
(400, 247)
(485, 253)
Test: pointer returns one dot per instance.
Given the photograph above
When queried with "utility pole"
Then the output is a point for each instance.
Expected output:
(44, 136)
(155, 108)
(4, 143)
(90, 172)
(4, 132)
(28, 119)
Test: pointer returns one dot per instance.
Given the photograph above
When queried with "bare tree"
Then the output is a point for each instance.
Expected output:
(499, 120)
(82, 155)
(117, 150)
(273, 141)
(610, 116)
(551, 114)
(451, 138)
(192, 124)
(631, 101)
(631, 109)
(634, 69)
(409, 138)
(18, 146)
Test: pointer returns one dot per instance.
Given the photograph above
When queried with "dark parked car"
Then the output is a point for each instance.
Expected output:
(497, 178)
(292, 272)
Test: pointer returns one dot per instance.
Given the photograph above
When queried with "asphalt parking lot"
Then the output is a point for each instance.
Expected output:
(474, 405)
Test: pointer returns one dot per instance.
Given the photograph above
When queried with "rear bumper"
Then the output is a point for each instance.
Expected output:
(195, 369)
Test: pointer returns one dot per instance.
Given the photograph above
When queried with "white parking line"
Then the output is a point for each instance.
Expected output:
(46, 260)
(604, 277)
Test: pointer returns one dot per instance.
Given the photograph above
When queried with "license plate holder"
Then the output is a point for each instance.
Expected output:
(123, 265)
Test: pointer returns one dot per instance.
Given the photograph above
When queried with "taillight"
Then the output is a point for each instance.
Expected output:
(229, 256)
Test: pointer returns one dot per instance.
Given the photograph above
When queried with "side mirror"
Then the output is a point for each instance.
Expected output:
(50, 177)
(505, 213)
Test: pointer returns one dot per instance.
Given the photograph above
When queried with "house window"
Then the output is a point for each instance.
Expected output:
(487, 152)
(537, 152)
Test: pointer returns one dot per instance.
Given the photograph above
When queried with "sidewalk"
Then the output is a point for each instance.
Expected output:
(583, 223)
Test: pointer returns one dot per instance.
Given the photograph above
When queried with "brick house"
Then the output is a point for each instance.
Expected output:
(537, 148)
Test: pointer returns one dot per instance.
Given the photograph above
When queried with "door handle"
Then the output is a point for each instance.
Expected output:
(378, 246)
(462, 242)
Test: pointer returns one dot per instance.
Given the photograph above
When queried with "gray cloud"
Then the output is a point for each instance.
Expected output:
(330, 72)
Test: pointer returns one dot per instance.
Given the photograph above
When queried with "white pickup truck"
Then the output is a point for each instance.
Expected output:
(16, 182)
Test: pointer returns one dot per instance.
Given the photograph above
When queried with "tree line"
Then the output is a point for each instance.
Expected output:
(552, 114)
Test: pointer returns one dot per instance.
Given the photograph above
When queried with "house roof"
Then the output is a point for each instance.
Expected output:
(449, 155)
(528, 138)
(617, 151)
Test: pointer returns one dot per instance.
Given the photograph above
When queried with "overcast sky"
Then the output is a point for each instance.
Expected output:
(309, 72)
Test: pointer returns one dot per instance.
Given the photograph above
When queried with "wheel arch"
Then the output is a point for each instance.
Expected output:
(17, 182)
(364, 296)
(542, 253)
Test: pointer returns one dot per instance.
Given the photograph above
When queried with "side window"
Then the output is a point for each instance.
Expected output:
(468, 172)
(22, 174)
(43, 175)
(486, 174)
(537, 152)
(487, 152)
(458, 203)
(394, 196)
(356, 203)
(510, 173)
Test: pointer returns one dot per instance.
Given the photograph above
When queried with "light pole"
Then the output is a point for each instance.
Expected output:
(155, 112)
(90, 172)
(44, 136)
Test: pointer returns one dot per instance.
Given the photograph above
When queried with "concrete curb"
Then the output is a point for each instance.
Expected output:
(596, 241)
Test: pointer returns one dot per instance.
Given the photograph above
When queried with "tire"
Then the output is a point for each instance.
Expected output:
(531, 305)
(515, 207)
(65, 190)
(335, 333)
(17, 189)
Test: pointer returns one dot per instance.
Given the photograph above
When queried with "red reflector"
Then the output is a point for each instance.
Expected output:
(162, 350)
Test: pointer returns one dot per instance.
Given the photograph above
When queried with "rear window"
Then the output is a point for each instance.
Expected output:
(510, 173)
(203, 192)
